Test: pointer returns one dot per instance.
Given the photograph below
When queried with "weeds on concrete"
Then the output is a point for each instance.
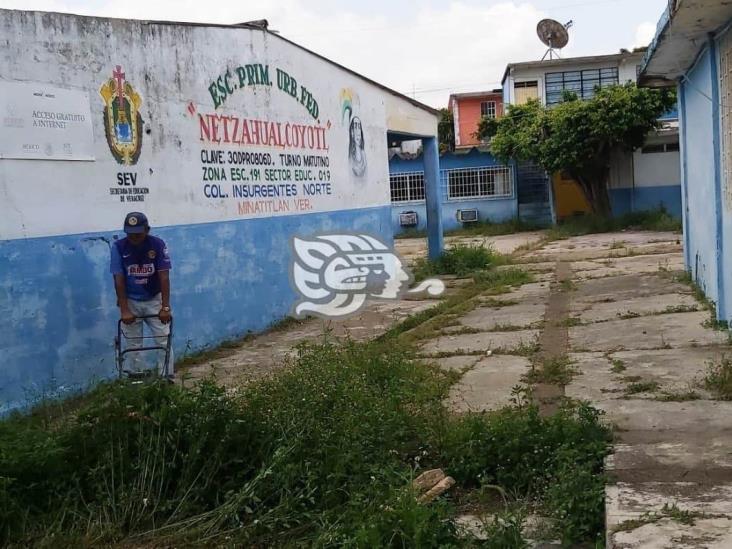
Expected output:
(618, 366)
(641, 387)
(498, 303)
(554, 371)
(718, 379)
(428, 323)
(668, 511)
(571, 321)
(322, 453)
(567, 285)
(524, 348)
(713, 322)
(678, 396)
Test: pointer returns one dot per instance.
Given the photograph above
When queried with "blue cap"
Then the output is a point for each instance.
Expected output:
(135, 223)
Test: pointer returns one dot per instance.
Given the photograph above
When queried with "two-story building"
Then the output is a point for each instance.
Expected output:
(467, 110)
(641, 180)
(474, 186)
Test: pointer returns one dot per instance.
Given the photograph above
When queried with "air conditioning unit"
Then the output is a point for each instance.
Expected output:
(467, 216)
(408, 219)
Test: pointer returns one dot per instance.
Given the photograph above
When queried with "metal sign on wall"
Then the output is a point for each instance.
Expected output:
(43, 122)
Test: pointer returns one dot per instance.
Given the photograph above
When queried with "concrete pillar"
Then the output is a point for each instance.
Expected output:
(718, 197)
(433, 196)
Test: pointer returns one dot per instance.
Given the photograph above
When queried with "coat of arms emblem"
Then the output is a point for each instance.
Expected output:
(122, 119)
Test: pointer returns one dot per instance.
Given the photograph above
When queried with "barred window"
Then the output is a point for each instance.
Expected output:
(488, 109)
(583, 83)
(406, 187)
(493, 181)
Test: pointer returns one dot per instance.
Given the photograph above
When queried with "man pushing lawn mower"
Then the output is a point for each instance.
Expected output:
(140, 265)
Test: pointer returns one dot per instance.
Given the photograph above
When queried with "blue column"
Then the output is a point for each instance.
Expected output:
(681, 94)
(433, 196)
(716, 134)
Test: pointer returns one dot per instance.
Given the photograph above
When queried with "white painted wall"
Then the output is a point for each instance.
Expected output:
(656, 169)
(171, 67)
(626, 71)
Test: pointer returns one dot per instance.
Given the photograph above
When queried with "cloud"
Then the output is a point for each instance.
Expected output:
(644, 33)
(432, 51)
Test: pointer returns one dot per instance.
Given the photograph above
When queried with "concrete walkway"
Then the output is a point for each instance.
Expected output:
(640, 344)
(638, 341)
(260, 355)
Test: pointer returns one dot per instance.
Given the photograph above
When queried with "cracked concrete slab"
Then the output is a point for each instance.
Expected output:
(651, 332)
(638, 306)
(488, 385)
(677, 372)
(485, 318)
(652, 415)
(457, 363)
(481, 342)
(655, 527)
(627, 287)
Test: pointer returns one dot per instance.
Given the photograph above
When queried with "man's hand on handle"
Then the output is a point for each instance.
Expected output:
(164, 315)
(127, 316)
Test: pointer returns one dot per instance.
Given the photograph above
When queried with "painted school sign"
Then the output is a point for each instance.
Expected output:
(231, 139)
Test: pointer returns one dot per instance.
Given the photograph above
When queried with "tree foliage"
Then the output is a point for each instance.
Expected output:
(579, 137)
(446, 131)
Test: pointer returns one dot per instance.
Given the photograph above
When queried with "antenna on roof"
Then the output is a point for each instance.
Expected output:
(554, 35)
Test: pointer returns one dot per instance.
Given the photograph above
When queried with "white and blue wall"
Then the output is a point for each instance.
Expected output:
(648, 178)
(693, 47)
(490, 209)
(707, 229)
(64, 201)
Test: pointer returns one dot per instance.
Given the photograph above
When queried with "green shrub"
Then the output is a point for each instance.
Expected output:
(460, 260)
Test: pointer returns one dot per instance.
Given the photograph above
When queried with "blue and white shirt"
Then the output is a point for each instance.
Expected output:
(140, 265)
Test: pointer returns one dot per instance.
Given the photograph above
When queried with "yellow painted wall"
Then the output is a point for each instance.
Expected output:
(570, 200)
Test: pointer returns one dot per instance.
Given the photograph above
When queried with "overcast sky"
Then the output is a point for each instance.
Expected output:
(425, 48)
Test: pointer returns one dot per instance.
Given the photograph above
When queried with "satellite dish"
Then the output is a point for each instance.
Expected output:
(554, 35)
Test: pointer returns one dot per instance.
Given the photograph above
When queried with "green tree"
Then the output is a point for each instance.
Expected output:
(579, 137)
(446, 131)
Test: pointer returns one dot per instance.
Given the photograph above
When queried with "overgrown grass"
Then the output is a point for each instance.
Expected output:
(718, 379)
(461, 260)
(487, 228)
(653, 220)
(482, 228)
(321, 454)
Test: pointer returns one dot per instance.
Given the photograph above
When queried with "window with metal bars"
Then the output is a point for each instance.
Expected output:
(582, 83)
(407, 187)
(492, 181)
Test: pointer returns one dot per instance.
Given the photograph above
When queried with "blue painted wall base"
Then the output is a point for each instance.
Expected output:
(640, 199)
(58, 310)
